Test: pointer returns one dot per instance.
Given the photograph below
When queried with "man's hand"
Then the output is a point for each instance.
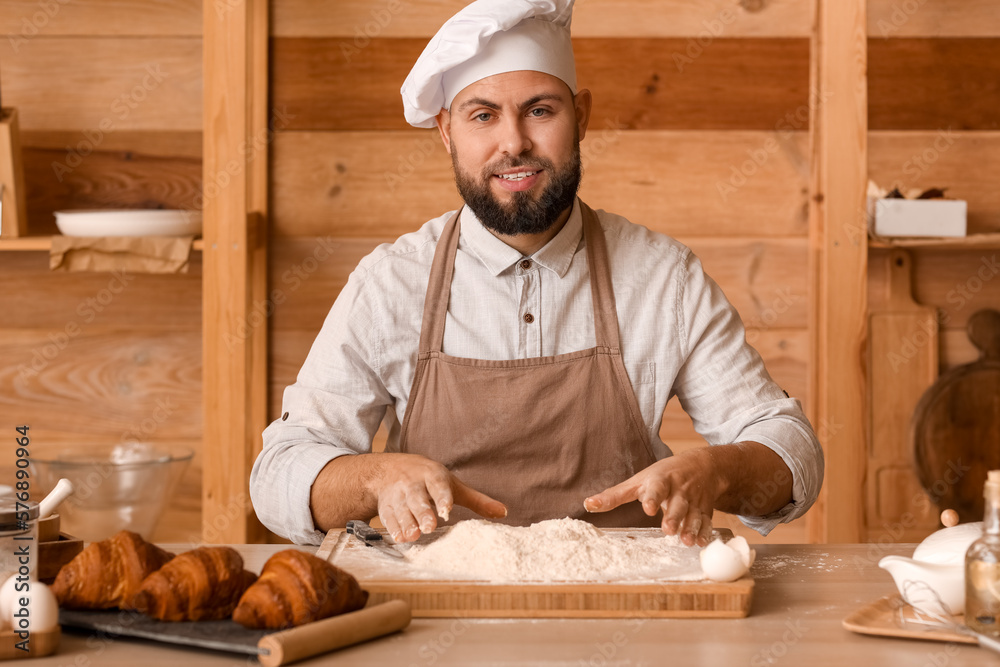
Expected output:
(685, 487)
(412, 486)
(743, 478)
(403, 489)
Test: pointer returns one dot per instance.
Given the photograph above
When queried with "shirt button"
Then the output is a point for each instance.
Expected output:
(525, 264)
(284, 417)
(529, 318)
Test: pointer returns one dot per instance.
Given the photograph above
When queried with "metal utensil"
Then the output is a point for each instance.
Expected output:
(372, 538)
(932, 614)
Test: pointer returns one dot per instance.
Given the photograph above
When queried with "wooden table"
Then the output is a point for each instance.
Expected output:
(802, 594)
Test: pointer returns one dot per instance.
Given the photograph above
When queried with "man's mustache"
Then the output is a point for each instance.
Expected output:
(538, 164)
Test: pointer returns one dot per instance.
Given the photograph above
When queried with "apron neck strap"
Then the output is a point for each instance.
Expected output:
(439, 288)
(601, 290)
(443, 269)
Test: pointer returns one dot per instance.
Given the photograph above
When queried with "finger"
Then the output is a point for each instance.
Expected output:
(611, 498)
(439, 487)
(407, 524)
(652, 494)
(420, 507)
(705, 534)
(691, 526)
(480, 503)
(388, 518)
(674, 511)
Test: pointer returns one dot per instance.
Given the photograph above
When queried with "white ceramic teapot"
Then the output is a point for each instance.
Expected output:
(937, 570)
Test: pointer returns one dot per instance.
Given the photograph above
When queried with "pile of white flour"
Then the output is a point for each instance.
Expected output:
(555, 550)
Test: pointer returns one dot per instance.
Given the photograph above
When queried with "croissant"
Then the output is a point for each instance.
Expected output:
(295, 588)
(108, 573)
(201, 584)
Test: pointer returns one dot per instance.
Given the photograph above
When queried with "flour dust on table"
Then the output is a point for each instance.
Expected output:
(556, 550)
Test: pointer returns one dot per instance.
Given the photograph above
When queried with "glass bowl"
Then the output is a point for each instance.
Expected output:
(115, 487)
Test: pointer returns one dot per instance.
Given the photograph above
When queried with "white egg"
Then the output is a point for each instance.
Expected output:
(41, 612)
(721, 562)
(741, 546)
(7, 594)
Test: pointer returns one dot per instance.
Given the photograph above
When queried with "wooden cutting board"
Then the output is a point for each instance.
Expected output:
(904, 363)
(435, 596)
(956, 426)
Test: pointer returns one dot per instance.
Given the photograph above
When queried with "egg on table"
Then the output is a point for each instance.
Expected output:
(727, 561)
(40, 613)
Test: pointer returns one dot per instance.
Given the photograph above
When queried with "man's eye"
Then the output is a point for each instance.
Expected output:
(483, 116)
(538, 112)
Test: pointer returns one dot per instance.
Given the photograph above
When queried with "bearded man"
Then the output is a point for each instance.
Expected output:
(524, 347)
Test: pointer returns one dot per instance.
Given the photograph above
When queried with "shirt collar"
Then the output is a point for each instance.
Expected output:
(497, 256)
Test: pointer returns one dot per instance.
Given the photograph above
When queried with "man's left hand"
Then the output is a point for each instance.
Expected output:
(685, 487)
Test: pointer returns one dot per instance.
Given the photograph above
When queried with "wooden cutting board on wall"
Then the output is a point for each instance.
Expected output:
(956, 426)
(386, 578)
(903, 353)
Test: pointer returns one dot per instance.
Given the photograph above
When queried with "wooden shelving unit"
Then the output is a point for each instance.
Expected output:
(839, 175)
(977, 241)
(234, 78)
(44, 243)
(234, 362)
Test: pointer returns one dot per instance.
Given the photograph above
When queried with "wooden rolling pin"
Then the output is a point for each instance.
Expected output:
(329, 634)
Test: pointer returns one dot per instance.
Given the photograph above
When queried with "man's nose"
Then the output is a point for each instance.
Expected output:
(514, 140)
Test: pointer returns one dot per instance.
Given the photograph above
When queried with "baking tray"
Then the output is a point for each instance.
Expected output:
(224, 635)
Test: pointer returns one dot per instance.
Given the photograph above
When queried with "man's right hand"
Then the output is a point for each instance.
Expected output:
(405, 490)
(412, 487)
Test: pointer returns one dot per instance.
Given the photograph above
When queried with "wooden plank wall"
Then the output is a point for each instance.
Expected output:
(687, 96)
(109, 95)
(934, 122)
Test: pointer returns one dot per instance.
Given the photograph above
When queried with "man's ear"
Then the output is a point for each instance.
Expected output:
(582, 103)
(443, 121)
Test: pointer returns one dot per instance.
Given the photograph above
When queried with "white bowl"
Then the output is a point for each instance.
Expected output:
(934, 579)
(948, 545)
(122, 222)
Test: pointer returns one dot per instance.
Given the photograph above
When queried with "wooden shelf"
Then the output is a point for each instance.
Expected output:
(989, 241)
(26, 243)
(44, 243)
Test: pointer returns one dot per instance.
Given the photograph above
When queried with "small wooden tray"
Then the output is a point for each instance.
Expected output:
(39, 644)
(891, 617)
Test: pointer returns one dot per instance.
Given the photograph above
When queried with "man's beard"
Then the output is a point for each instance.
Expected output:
(524, 214)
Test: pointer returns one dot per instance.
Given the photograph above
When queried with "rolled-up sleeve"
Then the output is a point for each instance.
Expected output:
(730, 397)
(334, 408)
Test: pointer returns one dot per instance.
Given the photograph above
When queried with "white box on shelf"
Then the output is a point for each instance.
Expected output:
(920, 217)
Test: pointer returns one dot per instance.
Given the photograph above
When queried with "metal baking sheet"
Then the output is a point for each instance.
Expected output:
(219, 635)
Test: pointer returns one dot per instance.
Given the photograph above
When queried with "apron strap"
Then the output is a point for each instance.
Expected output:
(443, 268)
(439, 289)
(601, 290)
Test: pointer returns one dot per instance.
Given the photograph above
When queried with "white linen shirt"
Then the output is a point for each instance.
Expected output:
(679, 336)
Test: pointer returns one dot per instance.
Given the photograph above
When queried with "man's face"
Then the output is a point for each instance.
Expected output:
(514, 140)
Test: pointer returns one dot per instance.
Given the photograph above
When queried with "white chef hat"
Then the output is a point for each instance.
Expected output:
(485, 38)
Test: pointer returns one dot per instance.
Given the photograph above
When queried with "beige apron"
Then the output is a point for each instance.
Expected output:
(538, 434)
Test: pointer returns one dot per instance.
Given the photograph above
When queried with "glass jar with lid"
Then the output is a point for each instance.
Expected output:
(18, 538)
